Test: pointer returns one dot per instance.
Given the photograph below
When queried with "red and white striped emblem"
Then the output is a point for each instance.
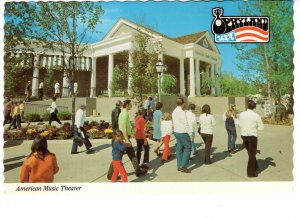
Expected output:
(251, 34)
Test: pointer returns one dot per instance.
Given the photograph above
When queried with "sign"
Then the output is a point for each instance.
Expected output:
(239, 29)
(267, 108)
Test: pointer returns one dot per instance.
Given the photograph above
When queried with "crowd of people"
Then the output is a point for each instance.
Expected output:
(183, 124)
(14, 110)
(72, 89)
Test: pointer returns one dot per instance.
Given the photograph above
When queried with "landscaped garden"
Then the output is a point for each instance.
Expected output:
(94, 129)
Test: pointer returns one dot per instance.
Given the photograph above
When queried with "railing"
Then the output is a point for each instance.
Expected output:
(40, 108)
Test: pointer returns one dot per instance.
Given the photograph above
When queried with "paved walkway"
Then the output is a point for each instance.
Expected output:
(275, 145)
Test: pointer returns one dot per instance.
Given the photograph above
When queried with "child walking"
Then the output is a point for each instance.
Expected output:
(16, 122)
(166, 131)
(118, 148)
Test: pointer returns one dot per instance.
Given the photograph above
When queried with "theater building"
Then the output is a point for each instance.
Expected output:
(189, 58)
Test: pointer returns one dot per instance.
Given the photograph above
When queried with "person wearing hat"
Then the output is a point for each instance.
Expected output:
(115, 115)
(80, 132)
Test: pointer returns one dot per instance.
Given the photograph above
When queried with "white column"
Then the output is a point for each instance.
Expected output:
(192, 78)
(213, 88)
(218, 90)
(66, 81)
(207, 76)
(198, 90)
(182, 82)
(110, 73)
(93, 79)
(35, 77)
(129, 76)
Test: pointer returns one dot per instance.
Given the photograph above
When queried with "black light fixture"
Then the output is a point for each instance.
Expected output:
(160, 67)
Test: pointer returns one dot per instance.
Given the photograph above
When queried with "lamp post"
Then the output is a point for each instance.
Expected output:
(217, 84)
(160, 68)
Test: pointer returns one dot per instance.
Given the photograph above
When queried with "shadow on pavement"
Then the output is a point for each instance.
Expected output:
(8, 167)
(101, 147)
(197, 160)
(155, 164)
(14, 159)
(264, 164)
(218, 156)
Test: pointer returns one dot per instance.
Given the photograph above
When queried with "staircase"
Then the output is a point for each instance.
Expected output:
(197, 111)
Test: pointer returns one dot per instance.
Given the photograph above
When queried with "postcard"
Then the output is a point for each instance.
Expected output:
(173, 98)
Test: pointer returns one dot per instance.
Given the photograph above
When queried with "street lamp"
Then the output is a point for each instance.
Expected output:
(160, 68)
(217, 83)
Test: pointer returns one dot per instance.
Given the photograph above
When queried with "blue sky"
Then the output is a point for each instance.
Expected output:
(172, 19)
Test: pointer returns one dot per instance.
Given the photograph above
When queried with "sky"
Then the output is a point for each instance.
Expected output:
(173, 19)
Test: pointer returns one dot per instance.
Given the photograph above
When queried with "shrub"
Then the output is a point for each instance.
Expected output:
(46, 116)
(64, 115)
(33, 117)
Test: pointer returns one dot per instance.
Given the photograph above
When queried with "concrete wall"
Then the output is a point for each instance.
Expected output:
(241, 103)
(169, 103)
(217, 104)
(63, 104)
(104, 106)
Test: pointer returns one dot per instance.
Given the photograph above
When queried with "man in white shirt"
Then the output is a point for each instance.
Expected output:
(146, 103)
(183, 134)
(250, 122)
(41, 90)
(80, 132)
(53, 112)
(56, 89)
(75, 88)
(192, 121)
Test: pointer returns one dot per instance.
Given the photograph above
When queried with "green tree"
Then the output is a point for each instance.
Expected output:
(119, 76)
(61, 26)
(232, 86)
(207, 83)
(271, 62)
(141, 70)
(168, 82)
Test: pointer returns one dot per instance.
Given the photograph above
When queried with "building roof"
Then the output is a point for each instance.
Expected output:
(191, 38)
(186, 39)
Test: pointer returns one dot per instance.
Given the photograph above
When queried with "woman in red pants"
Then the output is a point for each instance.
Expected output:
(166, 132)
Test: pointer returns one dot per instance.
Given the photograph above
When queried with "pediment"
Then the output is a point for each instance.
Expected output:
(124, 26)
(207, 42)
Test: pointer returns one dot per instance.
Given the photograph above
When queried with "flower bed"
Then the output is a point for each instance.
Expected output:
(94, 130)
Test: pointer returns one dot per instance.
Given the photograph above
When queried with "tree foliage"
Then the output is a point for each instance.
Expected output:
(272, 62)
(56, 26)
(232, 86)
(207, 83)
(168, 82)
(141, 70)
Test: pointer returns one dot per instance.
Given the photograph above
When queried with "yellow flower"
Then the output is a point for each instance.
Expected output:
(30, 131)
(107, 131)
(45, 133)
(92, 130)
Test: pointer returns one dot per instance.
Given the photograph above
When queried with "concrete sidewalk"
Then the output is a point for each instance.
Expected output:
(275, 145)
